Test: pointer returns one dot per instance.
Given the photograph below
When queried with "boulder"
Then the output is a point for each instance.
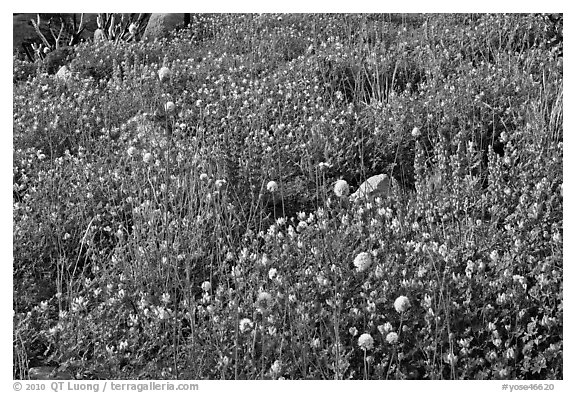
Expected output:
(160, 25)
(99, 35)
(376, 186)
(64, 74)
(47, 372)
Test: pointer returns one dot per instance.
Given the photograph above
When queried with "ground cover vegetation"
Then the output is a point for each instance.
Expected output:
(180, 207)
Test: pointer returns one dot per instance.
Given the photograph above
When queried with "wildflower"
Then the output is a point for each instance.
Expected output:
(450, 358)
(510, 354)
(366, 342)
(265, 261)
(132, 29)
(353, 331)
(123, 345)
(165, 298)
(246, 325)
(161, 313)
(415, 132)
(276, 367)
(362, 261)
(272, 273)
(272, 186)
(371, 307)
(79, 304)
(204, 177)
(219, 183)
(206, 286)
(164, 74)
(147, 158)
(401, 304)
(341, 188)
(169, 106)
(392, 338)
(131, 151)
(315, 343)
(263, 302)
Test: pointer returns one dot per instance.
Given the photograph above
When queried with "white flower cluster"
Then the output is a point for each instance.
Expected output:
(362, 261)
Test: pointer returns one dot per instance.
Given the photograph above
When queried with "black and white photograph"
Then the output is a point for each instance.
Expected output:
(287, 196)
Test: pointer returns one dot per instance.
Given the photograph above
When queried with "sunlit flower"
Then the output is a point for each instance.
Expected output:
(494, 256)
(132, 29)
(362, 261)
(353, 331)
(165, 298)
(79, 304)
(383, 329)
(341, 188)
(246, 325)
(366, 342)
(272, 186)
(169, 106)
(401, 304)
(264, 302)
(450, 358)
(265, 260)
(164, 74)
(147, 158)
(123, 345)
(392, 338)
(415, 132)
(276, 367)
(131, 151)
(206, 286)
(272, 273)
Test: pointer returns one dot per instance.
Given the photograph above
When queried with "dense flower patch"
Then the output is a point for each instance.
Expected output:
(181, 208)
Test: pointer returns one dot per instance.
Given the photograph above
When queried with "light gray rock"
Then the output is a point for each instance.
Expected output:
(47, 372)
(376, 186)
(160, 25)
(99, 35)
(64, 74)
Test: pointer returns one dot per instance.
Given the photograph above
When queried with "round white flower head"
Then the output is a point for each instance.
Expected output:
(401, 304)
(131, 151)
(164, 74)
(264, 301)
(272, 273)
(341, 188)
(169, 106)
(272, 186)
(415, 132)
(204, 177)
(362, 261)
(392, 338)
(246, 325)
(206, 286)
(366, 342)
(276, 367)
(147, 158)
(132, 29)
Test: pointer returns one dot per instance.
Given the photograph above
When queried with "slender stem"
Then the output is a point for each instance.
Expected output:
(365, 366)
